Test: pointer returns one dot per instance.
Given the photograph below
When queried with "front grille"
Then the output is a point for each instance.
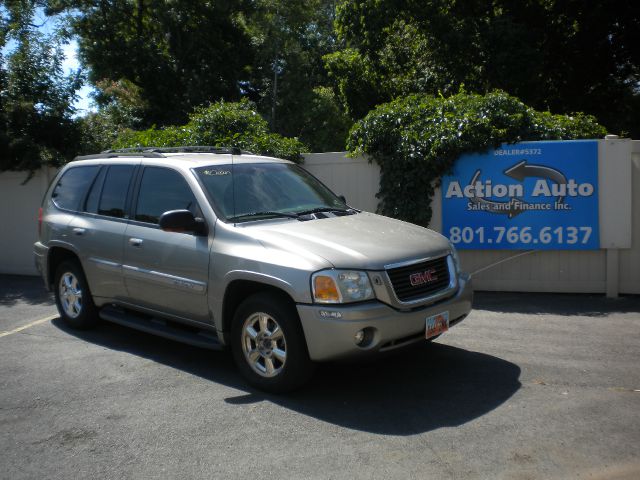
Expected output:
(429, 277)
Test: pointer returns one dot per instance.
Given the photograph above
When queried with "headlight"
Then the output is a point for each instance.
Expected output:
(341, 286)
(456, 258)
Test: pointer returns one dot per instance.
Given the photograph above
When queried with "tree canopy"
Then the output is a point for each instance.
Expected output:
(563, 56)
(310, 68)
(220, 124)
(36, 96)
(180, 55)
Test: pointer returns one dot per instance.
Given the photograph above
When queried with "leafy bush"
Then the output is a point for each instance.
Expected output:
(416, 140)
(220, 124)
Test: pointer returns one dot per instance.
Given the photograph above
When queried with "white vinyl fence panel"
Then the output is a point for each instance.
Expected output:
(600, 271)
(19, 204)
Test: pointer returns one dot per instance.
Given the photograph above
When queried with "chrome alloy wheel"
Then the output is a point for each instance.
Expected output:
(70, 295)
(264, 345)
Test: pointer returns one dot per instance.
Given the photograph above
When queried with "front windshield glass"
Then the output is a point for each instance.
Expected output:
(245, 192)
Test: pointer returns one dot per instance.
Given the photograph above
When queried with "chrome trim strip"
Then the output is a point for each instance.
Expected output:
(107, 265)
(451, 288)
(164, 278)
(408, 263)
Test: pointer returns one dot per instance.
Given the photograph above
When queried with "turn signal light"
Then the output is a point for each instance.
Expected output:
(325, 289)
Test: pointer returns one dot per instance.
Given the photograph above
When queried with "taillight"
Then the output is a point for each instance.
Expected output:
(40, 221)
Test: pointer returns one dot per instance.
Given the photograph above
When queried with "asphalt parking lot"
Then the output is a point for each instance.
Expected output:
(530, 386)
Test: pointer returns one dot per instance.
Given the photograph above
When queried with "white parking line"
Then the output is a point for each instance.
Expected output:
(28, 325)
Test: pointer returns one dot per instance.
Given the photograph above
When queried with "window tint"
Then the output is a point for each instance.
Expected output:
(114, 192)
(161, 190)
(91, 203)
(70, 189)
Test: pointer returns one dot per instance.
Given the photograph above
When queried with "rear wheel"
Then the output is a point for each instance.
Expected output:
(268, 344)
(73, 298)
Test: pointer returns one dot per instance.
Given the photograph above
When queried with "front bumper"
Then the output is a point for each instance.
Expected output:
(332, 338)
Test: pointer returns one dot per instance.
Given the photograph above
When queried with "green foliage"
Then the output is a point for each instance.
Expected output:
(36, 97)
(416, 139)
(180, 54)
(324, 126)
(355, 83)
(186, 53)
(561, 56)
(122, 109)
(287, 75)
(220, 124)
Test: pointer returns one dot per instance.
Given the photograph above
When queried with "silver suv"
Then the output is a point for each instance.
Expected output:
(218, 247)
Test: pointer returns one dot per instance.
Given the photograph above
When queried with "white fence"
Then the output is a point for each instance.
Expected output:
(19, 204)
(610, 270)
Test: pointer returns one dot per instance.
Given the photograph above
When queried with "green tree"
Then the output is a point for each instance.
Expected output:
(178, 55)
(122, 108)
(187, 53)
(36, 96)
(415, 139)
(565, 56)
(230, 124)
(287, 77)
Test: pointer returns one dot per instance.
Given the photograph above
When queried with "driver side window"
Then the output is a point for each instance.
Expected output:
(161, 190)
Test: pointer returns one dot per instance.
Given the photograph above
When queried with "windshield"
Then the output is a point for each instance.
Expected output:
(245, 192)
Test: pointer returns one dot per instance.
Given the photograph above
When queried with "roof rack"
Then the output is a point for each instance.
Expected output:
(185, 149)
(157, 152)
(115, 154)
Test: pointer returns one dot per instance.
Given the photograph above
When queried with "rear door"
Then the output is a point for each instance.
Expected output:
(98, 230)
(165, 271)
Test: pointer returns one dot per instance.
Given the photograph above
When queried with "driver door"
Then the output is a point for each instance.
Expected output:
(165, 271)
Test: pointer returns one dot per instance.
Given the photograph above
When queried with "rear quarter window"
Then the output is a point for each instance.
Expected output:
(72, 186)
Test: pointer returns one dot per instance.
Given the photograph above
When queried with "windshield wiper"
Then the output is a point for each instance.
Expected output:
(264, 214)
(324, 209)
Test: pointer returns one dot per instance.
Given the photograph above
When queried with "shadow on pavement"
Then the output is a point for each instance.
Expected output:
(411, 392)
(587, 305)
(19, 288)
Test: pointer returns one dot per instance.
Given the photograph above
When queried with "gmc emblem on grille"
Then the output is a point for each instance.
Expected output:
(420, 278)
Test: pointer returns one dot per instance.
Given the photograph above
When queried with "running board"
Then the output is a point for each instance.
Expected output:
(162, 328)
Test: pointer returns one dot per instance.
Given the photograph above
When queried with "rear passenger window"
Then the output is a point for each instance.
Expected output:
(71, 188)
(91, 203)
(114, 191)
(161, 190)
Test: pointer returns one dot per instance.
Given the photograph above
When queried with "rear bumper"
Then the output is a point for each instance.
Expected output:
(40, 256)
(332, 338)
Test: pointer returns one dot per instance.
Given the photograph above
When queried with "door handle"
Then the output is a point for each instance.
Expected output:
(135, 242)
(79, 231)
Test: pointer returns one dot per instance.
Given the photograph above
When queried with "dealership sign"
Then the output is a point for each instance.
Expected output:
(540, 195)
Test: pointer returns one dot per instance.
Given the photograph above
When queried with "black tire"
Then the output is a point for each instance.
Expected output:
(81, 314)
(297, 367)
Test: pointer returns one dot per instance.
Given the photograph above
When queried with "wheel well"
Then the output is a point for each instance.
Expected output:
(57, 255)
(238, 290)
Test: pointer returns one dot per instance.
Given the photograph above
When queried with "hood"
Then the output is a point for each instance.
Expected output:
(361, 241)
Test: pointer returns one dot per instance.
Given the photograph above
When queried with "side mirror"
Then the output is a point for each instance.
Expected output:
(342, 199)
(182, 221)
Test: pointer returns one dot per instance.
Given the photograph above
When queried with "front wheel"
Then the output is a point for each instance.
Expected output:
(268, 344)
